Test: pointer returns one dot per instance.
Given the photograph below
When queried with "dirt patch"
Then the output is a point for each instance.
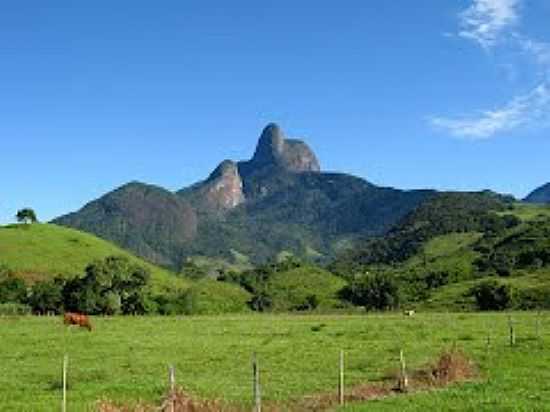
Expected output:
(177, 401)
(451, 367)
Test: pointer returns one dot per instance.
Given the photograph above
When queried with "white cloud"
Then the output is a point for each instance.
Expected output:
(533, 107)
(490, 23)
(485, 20)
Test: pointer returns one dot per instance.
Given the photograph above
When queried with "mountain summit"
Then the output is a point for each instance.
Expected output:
(274, 149)
(231, 183)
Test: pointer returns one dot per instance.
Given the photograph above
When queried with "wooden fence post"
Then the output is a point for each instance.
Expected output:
(65, 367)
(512, 331)
(256, 384)
(403, 384)
(172, 377)
(341, 382)
(537, 326)
(172, 384)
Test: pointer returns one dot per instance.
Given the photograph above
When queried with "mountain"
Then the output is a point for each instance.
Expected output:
(540, 195)
(278, 201)
(150, 221)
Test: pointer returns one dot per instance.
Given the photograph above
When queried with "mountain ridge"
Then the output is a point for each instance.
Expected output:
(539, 195)
(278, 201)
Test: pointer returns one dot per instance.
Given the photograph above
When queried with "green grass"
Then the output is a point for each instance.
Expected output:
(41, 251)
(526, 211)
(126, 359)
(452, 253)
(291, 288)
(210, 297)
(453, 297)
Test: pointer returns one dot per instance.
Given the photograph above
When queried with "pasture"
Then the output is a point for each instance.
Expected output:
(126, 359)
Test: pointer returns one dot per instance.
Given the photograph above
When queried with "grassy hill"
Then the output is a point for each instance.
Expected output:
(443, 250)
(291, 289)
(41, 251)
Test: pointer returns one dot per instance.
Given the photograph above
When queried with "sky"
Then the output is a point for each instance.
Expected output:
(444, 94)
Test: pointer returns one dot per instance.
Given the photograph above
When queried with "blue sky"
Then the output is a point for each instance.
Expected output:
(424, 94)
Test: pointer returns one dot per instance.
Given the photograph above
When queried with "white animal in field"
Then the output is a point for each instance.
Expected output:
(409, 313)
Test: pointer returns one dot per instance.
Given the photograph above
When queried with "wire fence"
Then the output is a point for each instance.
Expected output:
(268, 373)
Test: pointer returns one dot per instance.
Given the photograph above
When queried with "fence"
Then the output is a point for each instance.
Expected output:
(307, 364)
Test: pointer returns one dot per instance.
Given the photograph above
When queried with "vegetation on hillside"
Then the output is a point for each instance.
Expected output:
(289, 285)
(443, 214)
(454, 252)
(284, 211)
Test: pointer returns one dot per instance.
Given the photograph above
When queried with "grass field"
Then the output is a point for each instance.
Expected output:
(126, 359)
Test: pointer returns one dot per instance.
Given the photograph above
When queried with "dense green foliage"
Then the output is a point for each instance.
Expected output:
(12, 288)
(110, 287)
(289, 285)
(373, 292)
(521, 249)
(439, 270)
(443, 214)
(492, 295)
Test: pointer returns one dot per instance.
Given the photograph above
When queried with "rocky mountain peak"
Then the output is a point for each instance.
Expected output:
(274, 149)
(224, 186)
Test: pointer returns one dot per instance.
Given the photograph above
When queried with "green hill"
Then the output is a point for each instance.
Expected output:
(454, 242)
(41, 251)
(302, 287)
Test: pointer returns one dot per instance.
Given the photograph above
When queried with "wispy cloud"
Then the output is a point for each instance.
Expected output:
(490, 23)
(486, 20)
(521, 111)
(540, 50)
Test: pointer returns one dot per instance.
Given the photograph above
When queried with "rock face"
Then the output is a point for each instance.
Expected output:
(540, 195)
(274, 150)
(230, 183)
(224, 187)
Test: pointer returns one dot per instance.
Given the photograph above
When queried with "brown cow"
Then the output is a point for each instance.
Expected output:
(77, 319)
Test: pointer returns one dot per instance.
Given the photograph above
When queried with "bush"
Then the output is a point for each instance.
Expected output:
(492, 295)
(111, 286)
(374, 292)
(12, 289)
(47, 297)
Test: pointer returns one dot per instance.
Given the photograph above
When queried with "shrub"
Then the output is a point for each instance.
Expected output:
(12, 289)
(374, 292)
(492, 295)
(47, 297)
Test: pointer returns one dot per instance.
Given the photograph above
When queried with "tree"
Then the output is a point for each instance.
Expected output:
(492, 295)
(109, 286)
(47, 296)
(26, 216)
(12, 289)
(374, 292)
